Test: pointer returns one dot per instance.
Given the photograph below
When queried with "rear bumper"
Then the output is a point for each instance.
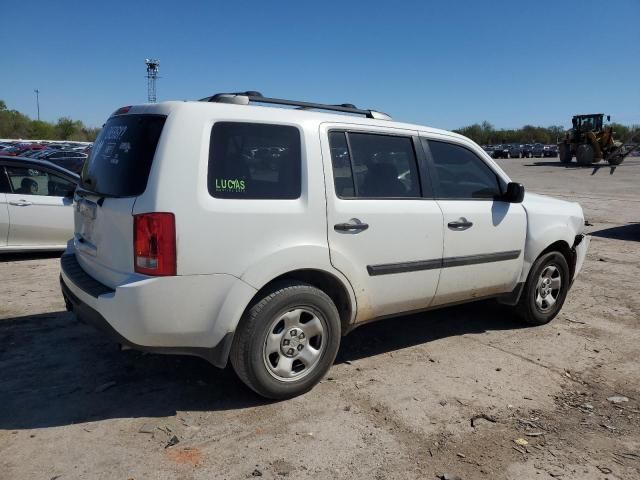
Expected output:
(160, 315)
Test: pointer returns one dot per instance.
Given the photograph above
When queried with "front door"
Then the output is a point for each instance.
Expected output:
(483, 236)
(384, 236)
(39, 211)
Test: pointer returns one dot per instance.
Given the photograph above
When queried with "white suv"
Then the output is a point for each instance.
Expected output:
(228, 230)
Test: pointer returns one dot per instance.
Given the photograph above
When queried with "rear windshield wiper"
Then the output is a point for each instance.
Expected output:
(83, 192)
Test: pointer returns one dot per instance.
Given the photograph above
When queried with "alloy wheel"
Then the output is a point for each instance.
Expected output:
(548, 288)
(294, 344)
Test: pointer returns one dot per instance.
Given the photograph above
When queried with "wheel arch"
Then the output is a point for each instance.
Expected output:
(556, 236)
(323, 280)
(560, 246)
(567, 252)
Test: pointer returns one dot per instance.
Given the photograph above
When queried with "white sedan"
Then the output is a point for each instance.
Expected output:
(36, 205)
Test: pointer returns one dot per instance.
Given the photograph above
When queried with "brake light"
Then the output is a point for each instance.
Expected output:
(154, 243)
(122, 110)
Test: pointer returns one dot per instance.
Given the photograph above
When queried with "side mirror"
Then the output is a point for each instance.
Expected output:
(515, 193)
(608, 118)
(70, 193)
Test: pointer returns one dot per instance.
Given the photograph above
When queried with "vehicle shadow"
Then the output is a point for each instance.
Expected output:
(56, 371)
(21, 256)
(558, 163)
(630, 231)
(595, 167)
(402, 332)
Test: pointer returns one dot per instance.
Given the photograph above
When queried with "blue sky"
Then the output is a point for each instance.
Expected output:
(439, 63)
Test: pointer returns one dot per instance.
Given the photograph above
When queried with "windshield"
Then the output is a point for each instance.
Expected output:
(121, 159)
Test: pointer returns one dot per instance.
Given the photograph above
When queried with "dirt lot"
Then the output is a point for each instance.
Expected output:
(398, 403)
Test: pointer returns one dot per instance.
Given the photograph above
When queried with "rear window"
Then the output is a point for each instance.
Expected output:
(122, 154)
(254, 161)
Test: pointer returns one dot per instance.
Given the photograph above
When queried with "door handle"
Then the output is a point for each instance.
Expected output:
(460, 224)
(350, 227)
(20, 203)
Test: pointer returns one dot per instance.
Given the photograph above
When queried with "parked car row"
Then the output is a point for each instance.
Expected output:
(517, 150)
(68, 155)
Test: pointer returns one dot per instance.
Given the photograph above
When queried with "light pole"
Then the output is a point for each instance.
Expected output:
(38, 101)
(152, 74)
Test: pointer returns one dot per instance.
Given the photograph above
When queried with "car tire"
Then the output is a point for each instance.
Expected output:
(565, 153)
(540, 301)
(286, 341)
(584, 154)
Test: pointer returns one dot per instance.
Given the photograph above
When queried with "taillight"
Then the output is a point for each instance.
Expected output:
(154, 243)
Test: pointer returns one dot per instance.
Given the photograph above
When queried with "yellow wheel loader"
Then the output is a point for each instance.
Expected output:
(590, 142)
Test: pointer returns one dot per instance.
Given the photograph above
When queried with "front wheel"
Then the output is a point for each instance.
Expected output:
(546, 289)
(287, 341)
(584, 154)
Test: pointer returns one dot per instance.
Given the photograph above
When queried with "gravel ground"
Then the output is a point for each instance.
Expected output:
(398, 403)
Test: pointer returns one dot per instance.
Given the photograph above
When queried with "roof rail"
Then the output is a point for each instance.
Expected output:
(244, 98)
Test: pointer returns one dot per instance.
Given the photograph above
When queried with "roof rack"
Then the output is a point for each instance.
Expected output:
(244, 98)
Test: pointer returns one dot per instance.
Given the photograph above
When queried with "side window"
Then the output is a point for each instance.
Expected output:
(461, 174)
(254, 160)
(30, 181)
(374, 166)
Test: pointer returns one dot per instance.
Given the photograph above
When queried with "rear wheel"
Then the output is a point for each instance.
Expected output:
(546, 289)
(565, 153)
(287, 341)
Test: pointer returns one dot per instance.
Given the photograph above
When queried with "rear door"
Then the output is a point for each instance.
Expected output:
(384, 235)
(39, 206)
(112, 178)
(483, 235)
(4, 207)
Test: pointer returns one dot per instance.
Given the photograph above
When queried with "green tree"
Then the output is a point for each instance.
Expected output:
(41, 130)
(620, 132)
(66, 128)
(14, 124)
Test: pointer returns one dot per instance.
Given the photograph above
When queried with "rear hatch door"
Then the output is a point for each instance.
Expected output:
(112, 178)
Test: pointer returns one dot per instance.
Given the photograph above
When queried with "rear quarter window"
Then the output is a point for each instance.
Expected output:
(254, 161)
(122, 155)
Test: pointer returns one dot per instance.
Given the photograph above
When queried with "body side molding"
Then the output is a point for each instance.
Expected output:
(404, 267)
